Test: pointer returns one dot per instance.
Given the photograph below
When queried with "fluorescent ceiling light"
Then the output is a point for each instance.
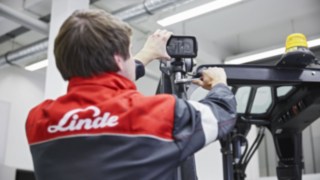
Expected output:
(37, 65)
(267, 54)
(257, 56)
(197, 11)
(314, 43)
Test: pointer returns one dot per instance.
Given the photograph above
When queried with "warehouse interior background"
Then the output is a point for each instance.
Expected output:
(239, 30)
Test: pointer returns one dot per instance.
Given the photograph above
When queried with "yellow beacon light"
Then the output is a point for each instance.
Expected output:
(296, 41)
(297, 54)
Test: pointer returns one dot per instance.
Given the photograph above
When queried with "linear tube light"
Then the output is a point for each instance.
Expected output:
(197, 11)
(267, 54)
(37, 65)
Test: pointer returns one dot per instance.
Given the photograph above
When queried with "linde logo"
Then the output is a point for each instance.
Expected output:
(71, 122)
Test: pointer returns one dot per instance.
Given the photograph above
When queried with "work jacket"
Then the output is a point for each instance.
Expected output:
(104, 129)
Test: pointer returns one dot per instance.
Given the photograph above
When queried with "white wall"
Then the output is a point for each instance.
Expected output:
(4, 119)
(6, 173)
(22, 90)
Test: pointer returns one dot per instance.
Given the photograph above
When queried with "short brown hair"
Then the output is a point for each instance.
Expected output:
(87, 42)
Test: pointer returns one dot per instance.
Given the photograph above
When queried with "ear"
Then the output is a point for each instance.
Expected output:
(119, 60)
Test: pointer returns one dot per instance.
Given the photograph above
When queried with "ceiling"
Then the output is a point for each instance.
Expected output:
(249, 26)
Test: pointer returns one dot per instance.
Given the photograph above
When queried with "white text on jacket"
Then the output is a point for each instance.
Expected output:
(71, 122)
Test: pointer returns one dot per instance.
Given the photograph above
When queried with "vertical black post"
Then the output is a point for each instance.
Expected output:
(238, 167)
(187, 169)
(227, 158)
(289, 149)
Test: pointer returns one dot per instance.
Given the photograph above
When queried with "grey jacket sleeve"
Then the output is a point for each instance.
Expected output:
(197, 124)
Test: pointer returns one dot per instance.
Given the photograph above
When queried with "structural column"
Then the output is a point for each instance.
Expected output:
(60, 10)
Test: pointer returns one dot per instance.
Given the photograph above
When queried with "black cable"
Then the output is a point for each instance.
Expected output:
(252, 147)
(248, 158)
(255, 149)
(247, 155)
(246, 146)
(239, 171)
(261, 136)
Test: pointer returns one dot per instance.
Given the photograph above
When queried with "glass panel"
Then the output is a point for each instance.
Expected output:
(262, 100)
(242, 97)
(283, 90)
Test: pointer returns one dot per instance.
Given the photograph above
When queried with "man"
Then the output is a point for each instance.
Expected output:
(102, 128)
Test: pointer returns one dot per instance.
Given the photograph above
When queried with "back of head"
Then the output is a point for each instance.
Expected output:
(87, 42)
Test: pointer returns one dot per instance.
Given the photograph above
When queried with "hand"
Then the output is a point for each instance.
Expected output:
(154, 47)
(211, 77)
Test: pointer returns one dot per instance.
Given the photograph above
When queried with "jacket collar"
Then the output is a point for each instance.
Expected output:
(110, 80)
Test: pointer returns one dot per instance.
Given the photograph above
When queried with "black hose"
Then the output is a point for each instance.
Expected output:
(246, 146)
(259, 140)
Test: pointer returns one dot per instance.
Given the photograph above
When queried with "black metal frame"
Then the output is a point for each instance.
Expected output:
(286, 117)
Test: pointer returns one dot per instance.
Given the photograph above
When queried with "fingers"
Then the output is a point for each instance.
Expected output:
(211, 77)
(163, 35)
(155, 47)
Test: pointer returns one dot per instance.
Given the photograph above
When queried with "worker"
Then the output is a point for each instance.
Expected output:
(103, 128)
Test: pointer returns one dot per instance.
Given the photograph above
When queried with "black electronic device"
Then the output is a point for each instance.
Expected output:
(182, 47)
